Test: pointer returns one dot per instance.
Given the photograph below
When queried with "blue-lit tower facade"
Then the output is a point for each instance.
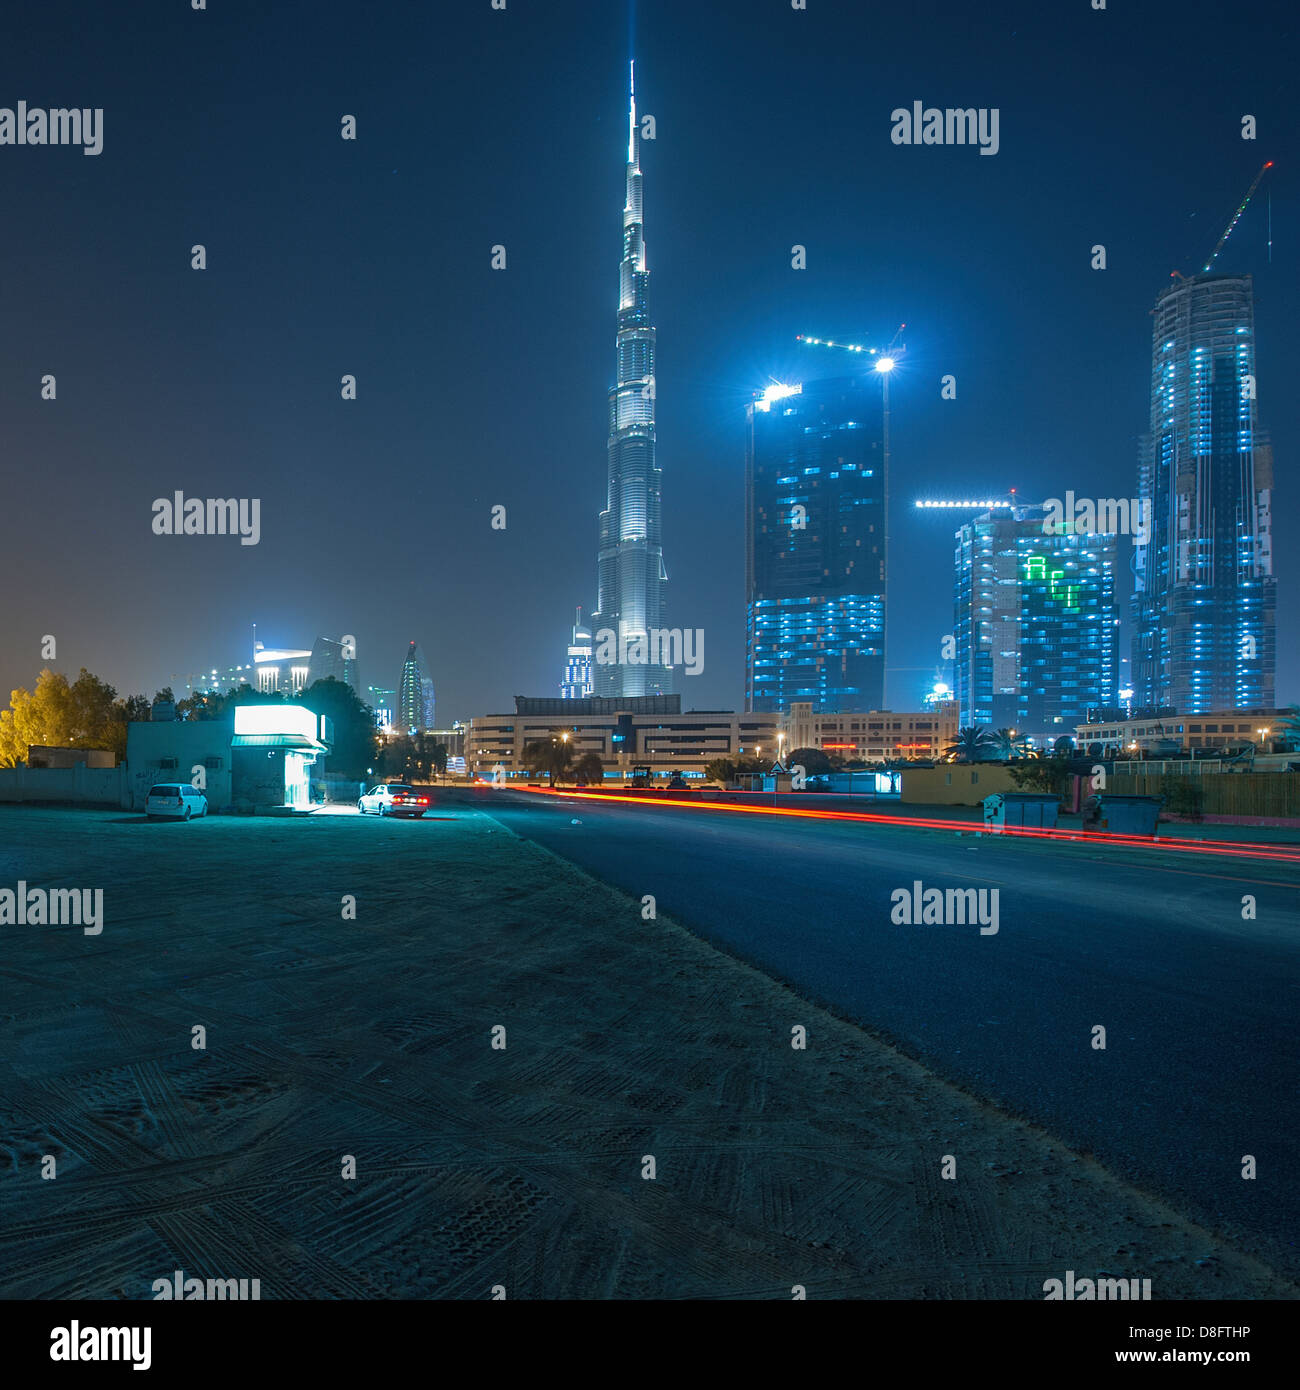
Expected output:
(410, 693)
(1205, 595)
(816, 548)
(630, 570)
(576, 684)
(1036, 623)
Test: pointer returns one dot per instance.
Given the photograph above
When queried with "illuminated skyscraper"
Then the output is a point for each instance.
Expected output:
(334, 658)
(630, 569)
(410, 693)
(815, 548)
(1036, 623)
(576, 684)
(1205, 591)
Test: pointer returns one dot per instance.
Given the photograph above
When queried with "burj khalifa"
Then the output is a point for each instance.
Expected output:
(630, 570)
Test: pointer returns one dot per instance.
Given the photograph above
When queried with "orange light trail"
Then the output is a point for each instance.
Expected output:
(1223, 848)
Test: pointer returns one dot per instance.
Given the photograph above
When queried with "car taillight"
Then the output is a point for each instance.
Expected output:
(424, 801)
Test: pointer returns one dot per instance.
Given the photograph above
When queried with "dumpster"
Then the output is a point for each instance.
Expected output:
(1036, 810)
(1128, 815)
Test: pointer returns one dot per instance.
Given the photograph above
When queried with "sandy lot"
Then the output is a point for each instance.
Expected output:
(477, 1166)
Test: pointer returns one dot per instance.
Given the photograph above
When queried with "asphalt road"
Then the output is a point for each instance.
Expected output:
(1202, 1061)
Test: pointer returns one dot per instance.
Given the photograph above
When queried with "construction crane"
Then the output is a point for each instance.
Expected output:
(967, 504)
(1236, 217)
(853, 347)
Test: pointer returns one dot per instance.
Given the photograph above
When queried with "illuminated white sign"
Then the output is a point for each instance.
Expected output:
(286, 720)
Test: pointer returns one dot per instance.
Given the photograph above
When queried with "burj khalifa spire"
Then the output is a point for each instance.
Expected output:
(630, 568)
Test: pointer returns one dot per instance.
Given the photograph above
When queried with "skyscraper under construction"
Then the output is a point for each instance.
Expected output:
(1205, 592)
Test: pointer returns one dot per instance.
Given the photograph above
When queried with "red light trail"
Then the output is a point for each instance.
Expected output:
(1221, 848)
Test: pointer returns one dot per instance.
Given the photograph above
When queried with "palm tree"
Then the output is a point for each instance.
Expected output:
(1005, 742)
(552, 755)
(972, 744)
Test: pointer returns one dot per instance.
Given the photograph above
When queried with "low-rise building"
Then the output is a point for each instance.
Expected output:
(628, 732)
(259, 755)
(876, 736)
(1169, 734)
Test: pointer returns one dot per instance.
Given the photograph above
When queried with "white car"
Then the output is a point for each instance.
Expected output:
(175, 801)
(393, 799)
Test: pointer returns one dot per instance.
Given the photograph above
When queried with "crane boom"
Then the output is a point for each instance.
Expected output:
(1236, 216)
(851, 347)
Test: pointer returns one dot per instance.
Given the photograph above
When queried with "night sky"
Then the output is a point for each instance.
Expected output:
(477, 387)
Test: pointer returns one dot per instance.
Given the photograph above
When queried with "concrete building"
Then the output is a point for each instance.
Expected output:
(955, 784)
(258, 756)
(1172, 734)
(174, 750)
(653, 731)
(626, 732)
(876, 736)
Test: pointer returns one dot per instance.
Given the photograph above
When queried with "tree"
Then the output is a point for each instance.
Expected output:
(725, 769)
(211, 704)
(42, 716)
(553, 755)
(135, 709)
(814, 761)
(973, 744)
(92, 711)
(1011, 745)
(355, 738)
(86, 714)
(428, 755)
(589, 768)
(1042, 774)
(396, 757)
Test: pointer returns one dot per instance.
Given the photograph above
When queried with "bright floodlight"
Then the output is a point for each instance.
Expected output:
(884, 364)
(778, 391)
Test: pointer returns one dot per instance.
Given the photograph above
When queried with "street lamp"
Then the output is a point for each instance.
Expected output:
(885, 367)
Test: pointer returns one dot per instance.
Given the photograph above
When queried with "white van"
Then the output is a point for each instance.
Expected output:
(175, 801)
